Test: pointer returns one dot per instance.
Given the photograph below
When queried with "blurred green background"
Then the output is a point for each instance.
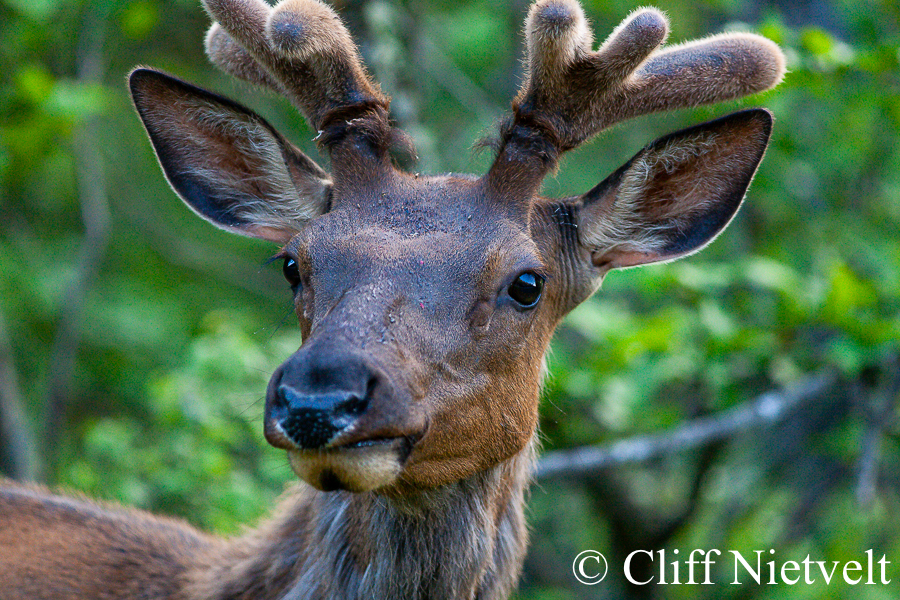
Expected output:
(136, 340)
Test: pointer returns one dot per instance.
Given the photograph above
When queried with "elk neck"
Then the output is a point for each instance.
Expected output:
(464, 540)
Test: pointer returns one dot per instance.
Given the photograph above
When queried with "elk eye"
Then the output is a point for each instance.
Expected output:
(526, 289)
(291, 272)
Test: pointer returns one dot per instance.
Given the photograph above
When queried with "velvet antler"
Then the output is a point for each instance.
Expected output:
(572, 92)
(299, 48)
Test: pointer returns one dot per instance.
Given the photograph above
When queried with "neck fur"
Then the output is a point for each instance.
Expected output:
(462, 541)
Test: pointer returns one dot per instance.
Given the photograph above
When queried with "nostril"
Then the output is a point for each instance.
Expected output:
(312, 420)
(353, 406)
(285, 397)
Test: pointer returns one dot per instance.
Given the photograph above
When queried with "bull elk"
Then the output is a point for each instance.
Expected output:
(426, 303)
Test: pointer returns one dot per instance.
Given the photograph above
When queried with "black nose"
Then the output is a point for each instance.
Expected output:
(317, 394)
(311, 421)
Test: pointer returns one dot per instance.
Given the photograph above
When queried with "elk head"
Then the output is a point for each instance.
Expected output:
(426, 304)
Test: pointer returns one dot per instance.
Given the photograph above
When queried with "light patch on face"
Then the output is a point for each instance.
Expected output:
(357, 469)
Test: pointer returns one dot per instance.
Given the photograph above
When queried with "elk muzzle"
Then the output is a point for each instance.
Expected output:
(340, 420)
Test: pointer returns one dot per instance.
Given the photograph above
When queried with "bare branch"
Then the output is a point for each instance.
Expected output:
(96, 220)
(18, 458)
(878, 408)
(456, 82)
(765, 411)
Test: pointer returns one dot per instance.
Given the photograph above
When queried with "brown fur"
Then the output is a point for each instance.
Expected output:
(54, 547)
(410, 408)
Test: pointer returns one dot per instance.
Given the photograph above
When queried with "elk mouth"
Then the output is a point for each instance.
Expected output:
(360, 465)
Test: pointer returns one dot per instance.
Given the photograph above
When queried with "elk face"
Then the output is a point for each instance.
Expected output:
(425, 319)
(426, 303)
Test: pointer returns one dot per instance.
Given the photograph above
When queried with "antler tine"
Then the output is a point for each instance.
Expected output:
(571, 92)
(715, 69)
(231, 57)
(299, 47)
(629, 75)
(558, 38)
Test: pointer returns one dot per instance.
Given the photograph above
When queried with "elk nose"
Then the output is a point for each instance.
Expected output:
(313, 397)
(311, 421)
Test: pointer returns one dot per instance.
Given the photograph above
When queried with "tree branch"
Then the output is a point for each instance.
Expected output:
(767, 410)
(96, 219)
(18, 458)
(878, 409)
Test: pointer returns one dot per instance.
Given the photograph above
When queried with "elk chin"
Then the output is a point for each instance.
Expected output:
(357, 468)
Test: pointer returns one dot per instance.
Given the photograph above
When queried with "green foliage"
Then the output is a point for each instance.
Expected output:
(196, 450)
(182, 324)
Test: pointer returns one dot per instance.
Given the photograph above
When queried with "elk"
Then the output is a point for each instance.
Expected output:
(426, 303)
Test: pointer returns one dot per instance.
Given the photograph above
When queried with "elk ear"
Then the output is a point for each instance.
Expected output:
(226, 163)
(676, 195)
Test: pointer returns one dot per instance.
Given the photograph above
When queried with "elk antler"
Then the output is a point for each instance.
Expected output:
(299, 48)
(572, 92)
